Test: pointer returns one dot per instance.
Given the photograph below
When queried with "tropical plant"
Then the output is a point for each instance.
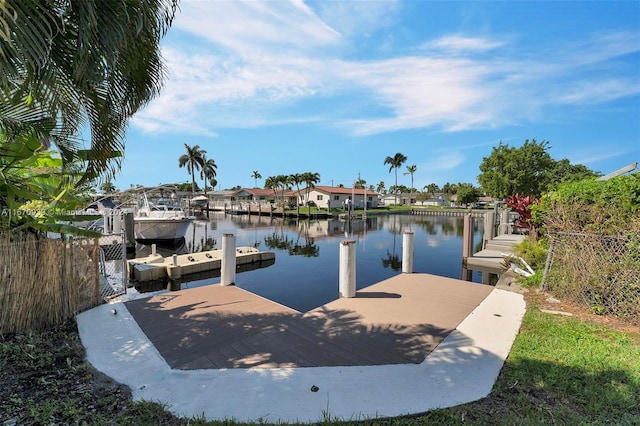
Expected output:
(410, 171)
(395, 162)
(270, 183)
(193, 160)
(296, 179)
(79, 63)
(310, 179)
(36, 192)
(208, 171)
(432, 188)
(522, 206)
(108, 187)
(256, 175)
(380, 188)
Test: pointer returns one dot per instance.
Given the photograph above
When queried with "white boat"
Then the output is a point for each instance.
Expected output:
(159, 217)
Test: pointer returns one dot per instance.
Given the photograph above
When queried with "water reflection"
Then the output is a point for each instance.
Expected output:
(305, 273)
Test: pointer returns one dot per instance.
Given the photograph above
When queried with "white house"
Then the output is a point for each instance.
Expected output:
(337, 197)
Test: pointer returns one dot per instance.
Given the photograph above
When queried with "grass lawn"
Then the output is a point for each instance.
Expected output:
(578, 370)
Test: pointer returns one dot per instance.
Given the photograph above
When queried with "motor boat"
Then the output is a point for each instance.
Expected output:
(159, 217)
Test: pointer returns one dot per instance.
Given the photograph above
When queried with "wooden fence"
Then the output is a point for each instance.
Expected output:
(45, 281)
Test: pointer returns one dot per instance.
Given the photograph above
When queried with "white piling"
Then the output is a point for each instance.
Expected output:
(407, 252)
(228, 266)
(153, 249)
(347, 268)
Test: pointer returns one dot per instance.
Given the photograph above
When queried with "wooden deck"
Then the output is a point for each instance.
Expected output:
(397, 321)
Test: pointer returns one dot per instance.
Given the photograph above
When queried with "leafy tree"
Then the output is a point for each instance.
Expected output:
(467, 193)
(527, 170)
(563, 171)
(380, 188)
(193, 160)
(395, 163)
(410, 171)
(208, 171)
(78, 63)
(360, 183)
(256, 175)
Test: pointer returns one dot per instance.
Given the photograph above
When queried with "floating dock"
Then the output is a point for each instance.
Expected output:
(156, 267)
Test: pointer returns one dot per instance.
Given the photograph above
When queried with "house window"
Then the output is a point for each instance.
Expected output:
(336, 197)
(319, 198)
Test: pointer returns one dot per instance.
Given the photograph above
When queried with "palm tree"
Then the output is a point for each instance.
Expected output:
(410, 171)
(271, 183)
(380, 187)
(310, 179)
(395, 162)
(208, 171)
(296, 179)
(193, 160)
(256, 175)
(432, 188)
(67, 64)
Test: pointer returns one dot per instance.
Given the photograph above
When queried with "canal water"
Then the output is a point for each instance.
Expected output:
(305, 272)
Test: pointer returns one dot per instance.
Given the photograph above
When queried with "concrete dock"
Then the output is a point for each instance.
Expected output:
(406, 345)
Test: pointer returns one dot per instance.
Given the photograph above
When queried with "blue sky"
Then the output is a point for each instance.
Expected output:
(335, 87)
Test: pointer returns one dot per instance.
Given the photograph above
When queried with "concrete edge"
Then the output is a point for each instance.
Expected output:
(463, 368)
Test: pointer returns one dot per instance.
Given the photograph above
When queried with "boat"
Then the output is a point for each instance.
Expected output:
(159, 217)
(200, 201)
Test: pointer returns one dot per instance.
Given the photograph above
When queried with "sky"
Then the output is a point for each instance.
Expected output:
(335, 87)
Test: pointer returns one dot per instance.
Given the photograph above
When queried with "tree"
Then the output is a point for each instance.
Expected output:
(193, 160)
(310, 179)
(108, 187)
(208, 171)
(410, 171)
(79, 63)
(360, 183)
(467, 193)
(380, 188)
(395, 162)
(432, 188)
(527, 170)
(270, 183)
(256, 175)
(296, 179)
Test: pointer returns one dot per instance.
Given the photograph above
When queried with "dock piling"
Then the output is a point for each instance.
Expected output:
(228, 265)
(407, 252)
(347, 268)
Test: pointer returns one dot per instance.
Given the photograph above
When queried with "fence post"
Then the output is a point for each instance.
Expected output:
(407, 252)
(347, 268)
(228, 265)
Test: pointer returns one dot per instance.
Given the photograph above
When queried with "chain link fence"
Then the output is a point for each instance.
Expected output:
(598, 272)
(113, 266)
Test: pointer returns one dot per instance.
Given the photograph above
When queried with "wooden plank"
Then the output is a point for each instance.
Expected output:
(399, 320)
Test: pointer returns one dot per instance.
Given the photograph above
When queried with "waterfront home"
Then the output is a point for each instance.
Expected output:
(337, 197)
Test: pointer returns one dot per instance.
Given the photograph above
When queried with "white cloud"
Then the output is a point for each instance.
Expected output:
(460, 43)
(256, 60)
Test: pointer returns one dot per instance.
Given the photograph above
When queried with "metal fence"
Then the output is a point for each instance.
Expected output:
(113, 266)
(598, 272)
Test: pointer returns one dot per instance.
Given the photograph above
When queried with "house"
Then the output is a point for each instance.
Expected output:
(338, 197)
(399, 199)
(258, 195)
